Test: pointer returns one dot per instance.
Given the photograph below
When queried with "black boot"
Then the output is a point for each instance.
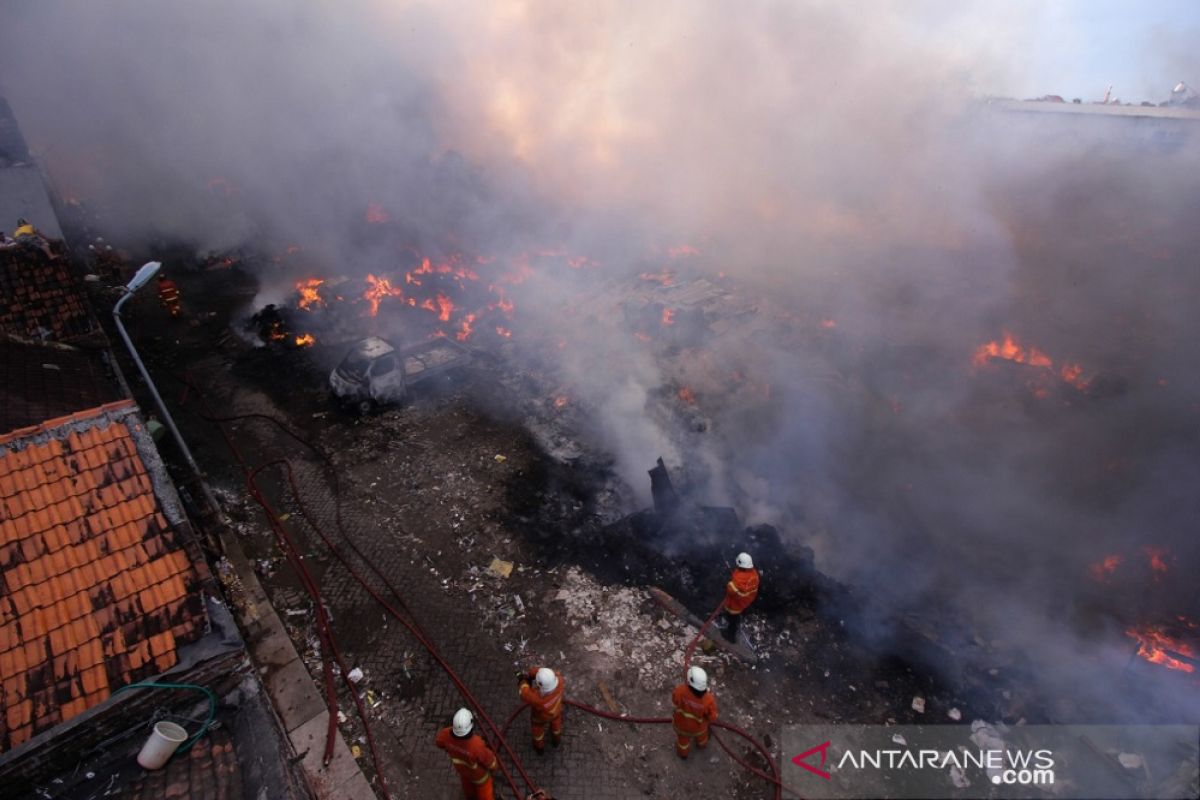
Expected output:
(732, 622)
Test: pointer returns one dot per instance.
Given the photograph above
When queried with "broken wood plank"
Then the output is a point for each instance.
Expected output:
(741, 648)
(608, 698)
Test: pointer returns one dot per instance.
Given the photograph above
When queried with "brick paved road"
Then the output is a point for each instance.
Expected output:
(425, 521)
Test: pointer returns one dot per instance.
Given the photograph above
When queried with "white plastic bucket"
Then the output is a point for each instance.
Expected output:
(161, 745)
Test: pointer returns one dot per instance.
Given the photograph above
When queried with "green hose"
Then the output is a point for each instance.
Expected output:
(212, 706)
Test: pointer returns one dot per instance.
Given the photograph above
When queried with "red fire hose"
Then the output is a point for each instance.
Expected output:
(329, 646)
(310, 585)
(324, 629)
(773, 779)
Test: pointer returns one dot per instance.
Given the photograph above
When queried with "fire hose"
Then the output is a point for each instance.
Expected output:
(324, 629)
(323, 623)
(310, 585)
(773, 778)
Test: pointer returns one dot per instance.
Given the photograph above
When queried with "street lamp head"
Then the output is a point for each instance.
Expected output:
(144, 274)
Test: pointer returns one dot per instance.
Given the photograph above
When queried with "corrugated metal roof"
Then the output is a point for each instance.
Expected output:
(23, 194)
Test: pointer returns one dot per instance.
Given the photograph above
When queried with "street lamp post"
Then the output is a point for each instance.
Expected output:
(143, 275)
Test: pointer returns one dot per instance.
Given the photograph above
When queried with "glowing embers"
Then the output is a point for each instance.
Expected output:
(1164, 645)
(1103, 570)
(451, 268)
(664, 278)
(305, 340)
(376, 215)
(1011, 350)
(1153, 557)
(465, 328)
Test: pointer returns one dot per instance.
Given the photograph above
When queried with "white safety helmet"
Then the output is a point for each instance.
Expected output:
(697, 679)
(463, 722)
(744, 561)
(546, 680)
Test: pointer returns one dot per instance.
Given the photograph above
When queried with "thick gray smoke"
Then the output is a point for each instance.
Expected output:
(837, 167)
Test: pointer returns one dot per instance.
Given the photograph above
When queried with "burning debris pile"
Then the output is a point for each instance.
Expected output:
(439, 299)
(1044, 374)
(1172, 646)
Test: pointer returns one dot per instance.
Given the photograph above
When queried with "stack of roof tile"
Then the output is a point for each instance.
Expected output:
(96, 588)
(39, 298)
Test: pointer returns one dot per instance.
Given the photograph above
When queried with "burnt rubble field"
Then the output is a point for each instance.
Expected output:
(498, 512)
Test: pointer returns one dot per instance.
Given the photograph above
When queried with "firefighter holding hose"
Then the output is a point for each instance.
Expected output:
(542, 690)
(470, 755)
(168, 294)
(740, 592)
(695, 708)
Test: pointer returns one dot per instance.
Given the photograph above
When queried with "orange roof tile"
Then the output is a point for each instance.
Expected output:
(94, 590)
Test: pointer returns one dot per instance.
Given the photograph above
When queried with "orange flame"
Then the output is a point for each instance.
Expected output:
(828, 324)
(560, 400)
(502, 331)
(1154, 644)
(668, 317)
(1009, 350)
(445, 306)
(305, 340)
(377, 289)
(681, 251)
(687, 396)
(465, 330)
(641, 336)
(376, 215)
(1102, 570)
(308, 293)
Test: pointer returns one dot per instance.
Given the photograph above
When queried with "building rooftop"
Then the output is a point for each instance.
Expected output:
(40, 298)
(1098, 109)
(41, 381)
(97, 589)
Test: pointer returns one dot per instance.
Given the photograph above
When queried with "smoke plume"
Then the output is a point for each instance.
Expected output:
(838, 167)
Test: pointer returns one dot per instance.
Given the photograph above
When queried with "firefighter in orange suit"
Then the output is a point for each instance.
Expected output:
(168, 293)
(695, 708)
(739, 594)
(542, 690)
(470, 755)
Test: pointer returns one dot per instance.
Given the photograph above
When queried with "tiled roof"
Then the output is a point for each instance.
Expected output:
(40, 298)
(42, 381)
(96, 588)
